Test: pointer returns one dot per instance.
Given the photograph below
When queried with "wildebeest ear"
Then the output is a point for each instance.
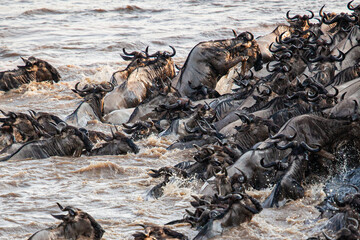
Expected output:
(60, 217)
(235, 33)
(54, 73)
(26, 61)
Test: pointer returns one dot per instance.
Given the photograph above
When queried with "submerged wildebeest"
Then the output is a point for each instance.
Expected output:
(69, 141)
(34, 70)
(208, 61)
(115, 145)
(77, 224)
(158, 233)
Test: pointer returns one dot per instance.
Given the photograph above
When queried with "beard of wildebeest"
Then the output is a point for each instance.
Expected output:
(208, 61)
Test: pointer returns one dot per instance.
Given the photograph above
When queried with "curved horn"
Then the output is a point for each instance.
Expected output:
(251, 75)
(83, 90)
(141, 225)
(126, 58)
(32, 113)
(173, 53)
(286, 146)
(247, 36)
(296, 95)
(268, 68)
(326, 236)
(234, 32)
(203, 130)
(280, 38)
(276, 50)
(269, 165)
(129, 54)
(108, 89)
(61, 207)
(350, 7)
(355, 187)
(244, 118)
(339, 58)
(356, 225)
(289, 138)
(321, 12)
(24, 60)
(112, 133)
(293, 18)
(9, 114)
(310, 149)
(129, 126)
(314, 60)
(312, 14)
(197, 147)
(328, 22)
(333, 95)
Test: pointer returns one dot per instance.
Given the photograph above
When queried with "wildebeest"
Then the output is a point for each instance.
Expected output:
(19, 127)
(158, 233)
(208, 61)
(116, 145)
(132, 91)
(69, 141)
(76, 224)
(34, 70)
(91, 108)
(240, 209)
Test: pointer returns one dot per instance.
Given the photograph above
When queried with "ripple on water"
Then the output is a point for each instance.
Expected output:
(41, 11)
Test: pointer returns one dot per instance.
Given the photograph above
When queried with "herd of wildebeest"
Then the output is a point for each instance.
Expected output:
(271, 111)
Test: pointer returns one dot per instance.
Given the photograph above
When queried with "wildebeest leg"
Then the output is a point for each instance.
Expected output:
(210, 230)
(326, 154)
(156, 191)
(243, 65)
(77, 152)
(289, 186)
(258, 208)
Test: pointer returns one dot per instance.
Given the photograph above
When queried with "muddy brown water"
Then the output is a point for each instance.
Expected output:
(83, 40)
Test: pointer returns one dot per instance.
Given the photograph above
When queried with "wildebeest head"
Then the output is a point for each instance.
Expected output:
(6, 137)
(125, 143)
(299, 22)
(43, 70)
(93, 94)
(75, 224)
(153, 232)
(22, 126)
(355, 9)
(65, 130)
(138, 59)
(140, 129)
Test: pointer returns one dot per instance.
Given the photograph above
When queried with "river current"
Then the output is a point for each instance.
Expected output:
(83, 40)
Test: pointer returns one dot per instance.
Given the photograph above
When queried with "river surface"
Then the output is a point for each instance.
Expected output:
(83, 40)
